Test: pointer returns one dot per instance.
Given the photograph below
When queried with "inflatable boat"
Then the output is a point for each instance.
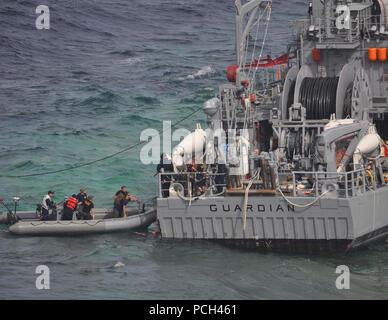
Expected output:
(136, 218)
(6, 218)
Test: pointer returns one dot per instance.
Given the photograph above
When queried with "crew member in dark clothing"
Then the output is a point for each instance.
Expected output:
(49, 204)
(121, 195)
(82, 196)
(86, 210)
(220, 177)
(165, 166)
(376, 13)
(121, 208)
(70, 207)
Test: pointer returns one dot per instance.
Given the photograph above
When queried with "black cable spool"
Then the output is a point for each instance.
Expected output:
(319, 97)
(290, 98)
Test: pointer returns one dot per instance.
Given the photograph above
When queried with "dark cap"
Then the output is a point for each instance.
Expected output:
(50, 192)
(74, 196)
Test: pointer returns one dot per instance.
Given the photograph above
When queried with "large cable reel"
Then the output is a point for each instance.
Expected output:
(288, 91)
(361, 95)
(323, 97)
(344, 91)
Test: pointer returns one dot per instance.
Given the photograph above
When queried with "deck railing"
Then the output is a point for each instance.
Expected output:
(327, 30)
(199, 182)
(346, 184)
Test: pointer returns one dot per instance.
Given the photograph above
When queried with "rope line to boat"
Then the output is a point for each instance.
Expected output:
(66, 223)
(300, 205)
(91, 223)
(101, 159)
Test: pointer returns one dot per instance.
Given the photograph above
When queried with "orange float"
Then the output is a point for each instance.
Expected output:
(372, 54)
(382, 54)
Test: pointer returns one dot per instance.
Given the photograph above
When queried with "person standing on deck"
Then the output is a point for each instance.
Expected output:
(165, 166)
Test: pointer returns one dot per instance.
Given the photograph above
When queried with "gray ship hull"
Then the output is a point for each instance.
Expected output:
(331, 224)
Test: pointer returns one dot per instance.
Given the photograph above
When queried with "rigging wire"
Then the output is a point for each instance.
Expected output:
(269, 10)
(100, 159)
(260, 16)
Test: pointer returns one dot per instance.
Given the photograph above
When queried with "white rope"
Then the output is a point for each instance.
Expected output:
(246, 196)
(300, 205)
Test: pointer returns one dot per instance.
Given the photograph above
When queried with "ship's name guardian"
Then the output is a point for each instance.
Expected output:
(257, 208)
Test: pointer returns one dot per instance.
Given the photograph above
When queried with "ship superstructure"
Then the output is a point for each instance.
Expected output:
(295, 159)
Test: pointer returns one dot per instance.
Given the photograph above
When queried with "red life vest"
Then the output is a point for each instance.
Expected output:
(71, 203)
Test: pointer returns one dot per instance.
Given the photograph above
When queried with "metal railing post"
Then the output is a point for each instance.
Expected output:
(160, 184)
(293, 184)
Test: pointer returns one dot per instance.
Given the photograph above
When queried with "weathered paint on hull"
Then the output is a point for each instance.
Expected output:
(331, 224)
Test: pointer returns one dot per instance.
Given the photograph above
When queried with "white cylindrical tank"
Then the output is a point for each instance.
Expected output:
(244, 156)
(369, 144)
(194, 143)
(368, 147)
(211, 106)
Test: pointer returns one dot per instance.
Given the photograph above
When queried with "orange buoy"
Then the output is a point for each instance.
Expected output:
(253, 97)
(231, 73)
(382, 54)
(372, 54)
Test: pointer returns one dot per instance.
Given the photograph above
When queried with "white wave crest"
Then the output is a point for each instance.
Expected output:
(200, 74)
(119, 265)
(131, 61)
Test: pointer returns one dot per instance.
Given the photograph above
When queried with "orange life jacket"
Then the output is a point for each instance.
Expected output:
(71, 203)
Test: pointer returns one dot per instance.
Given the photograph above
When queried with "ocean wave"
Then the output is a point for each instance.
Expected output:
(205, 71)
(139, 121)
(131, 61)
(147, 100)
(126, 53)
(105, 100)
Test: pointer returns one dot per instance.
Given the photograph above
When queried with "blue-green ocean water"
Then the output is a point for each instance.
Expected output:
(86, 88)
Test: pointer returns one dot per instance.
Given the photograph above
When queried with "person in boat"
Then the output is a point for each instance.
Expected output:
(165, 166)
(47, 205)
(121, 195)
(120, 210)
(70, 208)
(82, 196)
(86, 209)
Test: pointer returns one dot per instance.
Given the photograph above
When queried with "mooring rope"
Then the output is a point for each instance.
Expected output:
(300, 205)
(256, 175)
